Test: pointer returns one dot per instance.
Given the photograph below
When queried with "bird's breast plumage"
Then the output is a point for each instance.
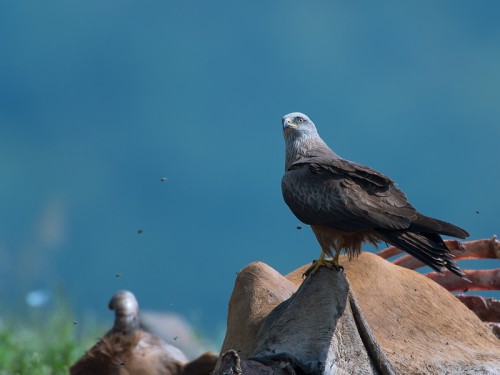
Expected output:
(312, 198)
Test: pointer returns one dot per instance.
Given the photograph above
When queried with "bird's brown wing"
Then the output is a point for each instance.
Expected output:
(345, 195)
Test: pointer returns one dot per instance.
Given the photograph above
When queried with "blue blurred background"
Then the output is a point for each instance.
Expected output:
(99, 100)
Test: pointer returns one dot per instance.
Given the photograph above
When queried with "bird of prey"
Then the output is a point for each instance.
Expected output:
(347, 204)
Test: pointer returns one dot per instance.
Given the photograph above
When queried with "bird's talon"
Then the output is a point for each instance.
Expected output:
(318, 263)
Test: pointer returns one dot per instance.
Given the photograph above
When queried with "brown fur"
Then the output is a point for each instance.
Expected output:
(203, 365)
(128, 350)
(108, 356)
(422, 328)
(139, 353)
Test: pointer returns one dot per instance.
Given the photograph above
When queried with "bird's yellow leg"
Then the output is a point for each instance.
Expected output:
(322, 262)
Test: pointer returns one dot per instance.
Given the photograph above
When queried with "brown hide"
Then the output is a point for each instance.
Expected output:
(421, 326)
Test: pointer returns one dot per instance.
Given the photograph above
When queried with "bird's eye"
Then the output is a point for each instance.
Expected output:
(300, 119)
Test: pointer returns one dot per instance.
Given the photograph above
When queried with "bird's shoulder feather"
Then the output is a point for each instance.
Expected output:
(337, 167)
(350, 192)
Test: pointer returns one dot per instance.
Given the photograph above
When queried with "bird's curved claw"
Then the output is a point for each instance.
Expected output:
(321, 262)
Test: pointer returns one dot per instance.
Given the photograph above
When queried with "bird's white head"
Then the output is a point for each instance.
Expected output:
(302, 139)
(296, 124)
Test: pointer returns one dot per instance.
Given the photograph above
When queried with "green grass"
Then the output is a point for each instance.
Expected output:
(45, 343)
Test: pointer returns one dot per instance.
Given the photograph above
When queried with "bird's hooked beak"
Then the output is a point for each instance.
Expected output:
(287, 123)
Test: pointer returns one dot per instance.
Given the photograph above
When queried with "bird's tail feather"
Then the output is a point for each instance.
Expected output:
(428, 224)
(429, 248)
